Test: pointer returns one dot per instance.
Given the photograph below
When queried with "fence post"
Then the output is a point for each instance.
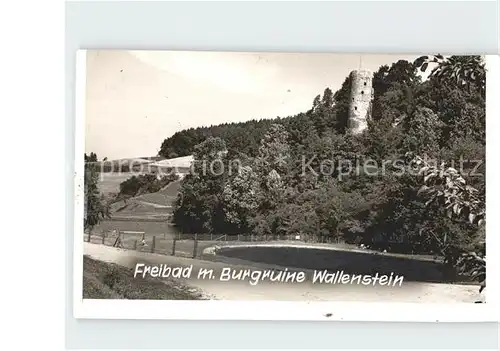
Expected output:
(195, 246)
(238, 237)
(173, 246)
(103, 237)
(211, 237)
(153, 244)
(135, 245)
(88, 238)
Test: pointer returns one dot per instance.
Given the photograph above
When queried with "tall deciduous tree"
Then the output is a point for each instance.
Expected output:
(444, 186)
(91, 158)
(199, 207)
(96, 207)
(274, 151)
(241, 195)
(422, 132)
(393, 89)
(463, 71)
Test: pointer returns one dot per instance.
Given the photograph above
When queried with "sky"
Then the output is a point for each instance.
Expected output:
(136, 99)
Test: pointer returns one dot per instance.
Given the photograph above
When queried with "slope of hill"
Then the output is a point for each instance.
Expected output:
(177, 162)
(164, 197)
(153, 205)
(103, 280)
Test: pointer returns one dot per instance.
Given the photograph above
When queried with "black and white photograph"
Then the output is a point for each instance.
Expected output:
(292, 177)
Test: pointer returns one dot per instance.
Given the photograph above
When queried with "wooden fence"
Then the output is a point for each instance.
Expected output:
(185, 245)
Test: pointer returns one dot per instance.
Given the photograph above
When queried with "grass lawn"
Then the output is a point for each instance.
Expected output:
(102, 280)
(110, 182)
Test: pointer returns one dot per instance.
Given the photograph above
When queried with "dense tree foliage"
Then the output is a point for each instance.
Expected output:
(243, 137)
(305, 175)
(96, 206)
(145, 183)
(199, 207)
(92, 157)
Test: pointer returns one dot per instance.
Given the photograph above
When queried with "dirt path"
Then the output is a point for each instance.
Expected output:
(306, 291)
(152, 204)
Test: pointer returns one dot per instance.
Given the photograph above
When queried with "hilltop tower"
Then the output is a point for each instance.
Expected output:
(360, 100)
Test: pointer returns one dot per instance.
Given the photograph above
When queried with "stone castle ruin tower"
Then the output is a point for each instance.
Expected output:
(360, 100)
